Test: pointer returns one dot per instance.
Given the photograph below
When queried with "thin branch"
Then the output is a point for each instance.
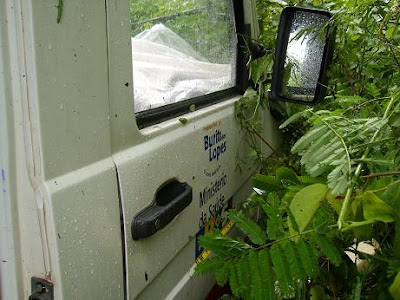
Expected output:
(383, 174)
(384, 188)
(264, 141)
(295, 235)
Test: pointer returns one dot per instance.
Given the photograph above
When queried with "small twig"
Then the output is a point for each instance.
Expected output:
(264, 141)
(366, 102)
(295, 235)
(383, 174)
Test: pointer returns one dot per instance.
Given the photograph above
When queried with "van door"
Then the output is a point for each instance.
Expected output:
(175, 70)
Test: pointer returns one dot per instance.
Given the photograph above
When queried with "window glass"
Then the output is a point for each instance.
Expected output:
(181, 49)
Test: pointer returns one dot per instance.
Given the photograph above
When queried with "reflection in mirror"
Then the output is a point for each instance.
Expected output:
(304, 56)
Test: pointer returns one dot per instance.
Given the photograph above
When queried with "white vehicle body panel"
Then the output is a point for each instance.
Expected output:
(74, 164)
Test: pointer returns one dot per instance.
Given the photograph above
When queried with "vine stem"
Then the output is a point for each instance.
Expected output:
(349, 192)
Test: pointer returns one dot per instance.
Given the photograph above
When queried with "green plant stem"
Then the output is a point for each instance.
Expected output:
(349, 192)
(293, 236)
(263, 140)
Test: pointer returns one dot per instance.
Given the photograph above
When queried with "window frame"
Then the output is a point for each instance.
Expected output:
(157, 115)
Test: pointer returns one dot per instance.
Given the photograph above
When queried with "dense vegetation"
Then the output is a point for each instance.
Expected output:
(335, 188)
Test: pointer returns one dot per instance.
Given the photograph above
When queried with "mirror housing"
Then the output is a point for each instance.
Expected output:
(302, 56)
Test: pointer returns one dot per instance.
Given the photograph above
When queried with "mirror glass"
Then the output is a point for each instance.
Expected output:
(301, 56)
(304, 55)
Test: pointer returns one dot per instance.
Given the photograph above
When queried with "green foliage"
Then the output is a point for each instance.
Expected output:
(306, 203)
(249, 227)
(335, 180)
(328, 248)
(376, 209)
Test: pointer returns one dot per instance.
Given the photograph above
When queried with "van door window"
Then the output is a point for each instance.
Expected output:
(181, 49)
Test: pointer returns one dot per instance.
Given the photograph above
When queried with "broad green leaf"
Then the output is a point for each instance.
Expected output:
(306, 202)
(249, 227)
(266, 183)
(392, 194)
(376, 209)
(394, 289)
(335, 202)
(318, 293)
(390, 31)
(294, 118)
(284, 173)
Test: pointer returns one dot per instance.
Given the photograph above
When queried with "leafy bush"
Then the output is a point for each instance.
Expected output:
(346, 150)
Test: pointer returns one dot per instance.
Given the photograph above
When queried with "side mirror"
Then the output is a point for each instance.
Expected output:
(303, 54)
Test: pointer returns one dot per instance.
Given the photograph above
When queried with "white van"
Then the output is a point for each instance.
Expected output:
(118, 143)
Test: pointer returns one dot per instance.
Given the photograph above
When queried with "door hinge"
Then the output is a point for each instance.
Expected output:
(41, 289)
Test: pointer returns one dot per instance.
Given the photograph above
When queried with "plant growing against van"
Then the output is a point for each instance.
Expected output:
(346, 190)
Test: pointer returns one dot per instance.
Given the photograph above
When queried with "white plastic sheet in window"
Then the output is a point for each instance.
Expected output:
(166, 69)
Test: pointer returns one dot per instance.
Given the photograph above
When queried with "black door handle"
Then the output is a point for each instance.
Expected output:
(171, 198)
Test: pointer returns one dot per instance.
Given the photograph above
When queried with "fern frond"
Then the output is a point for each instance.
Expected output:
(328, 249)
(338, 179)
(222, 273)
(249, 227)
(292, 257)
(256, 285)
(294, 118)
(274, 216)
(266, 274)
(283, 275)
(307, 258)
(242, 267)
(308, 138)
(316, 145)
(223, 246)
(210, 265)
(233, 280)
